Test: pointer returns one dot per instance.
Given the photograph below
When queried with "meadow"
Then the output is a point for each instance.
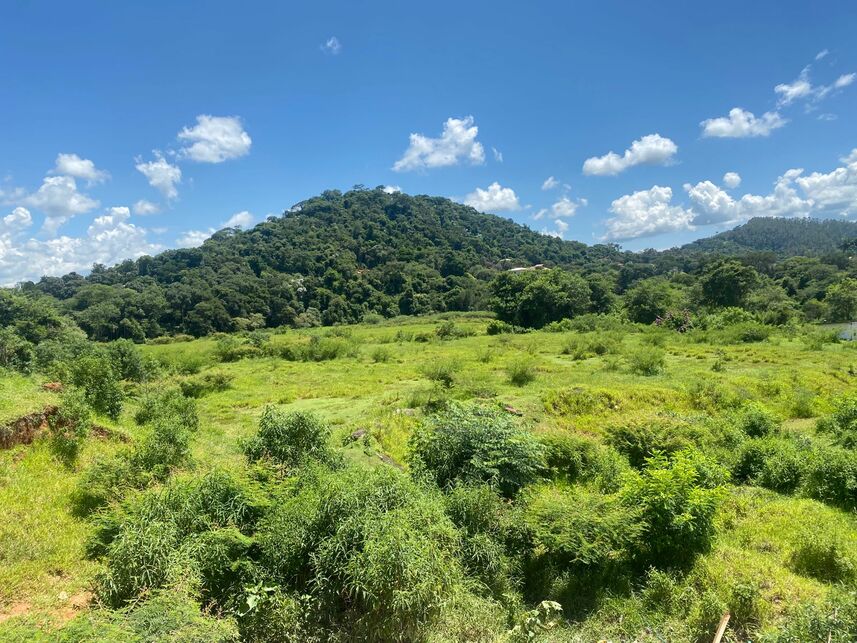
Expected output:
(602, 397)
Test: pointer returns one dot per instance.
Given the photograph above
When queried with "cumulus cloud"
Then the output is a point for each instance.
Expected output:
(391, 189)
(566, 207)
(73, 165)
(193, 238)
(215, 139)
(550, 183)
(495, 198)
(741, 123)
(646, 213)
(144, 208)
(834, 192)
(653, 149)
(108, 239)
(456, 144)
(241, 219)
(161, 174)
(59, 198)
(560, 228)
(803, 89)
(731, 180)
(332, 46)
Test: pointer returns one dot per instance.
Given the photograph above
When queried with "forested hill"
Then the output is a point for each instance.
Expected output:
(785, 237)
(333, 258)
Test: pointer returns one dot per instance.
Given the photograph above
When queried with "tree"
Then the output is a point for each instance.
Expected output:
(727, 283)
(648, 300)
(841, 300)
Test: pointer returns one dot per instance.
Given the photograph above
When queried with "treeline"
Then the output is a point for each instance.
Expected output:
(344, 258)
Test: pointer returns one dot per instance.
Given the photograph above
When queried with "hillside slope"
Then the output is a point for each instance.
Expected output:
(785, 237)
(332, 258)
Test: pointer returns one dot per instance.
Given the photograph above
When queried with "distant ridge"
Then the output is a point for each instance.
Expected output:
(784, 237)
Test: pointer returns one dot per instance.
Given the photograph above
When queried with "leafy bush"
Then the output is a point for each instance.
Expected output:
(381, 354)
(832, 476)
(821, 554)
(757, 421)
(189, 533)
(677, 498)
(441, 371)
(196, 387)
(646, 360)
(802, 402)
(774, 463)
(468, 443)
(580, 401)
(127, 360)
(448, 330)
(590, 345)
(93, 373)
(743, 333)
(230, 348)
(373, 551)
(290, 439)
(842, 423)
(639, 440)
(71, 423)
(521, 371)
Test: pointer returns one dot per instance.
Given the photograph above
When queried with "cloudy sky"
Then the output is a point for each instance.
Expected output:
(127, 128)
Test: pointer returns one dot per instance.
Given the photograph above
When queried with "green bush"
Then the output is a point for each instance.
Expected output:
(195, 387)
(441, 371)
(521, 371)
(842, 423)
(646, 360)
(821, 554)
(757, 421)
(774, 463)
(677, 499)
(742, 333)
(832, 476)
(381, 354)
(290, 439)
(70, 425)
(127, 360)
(580, 401)
(189, 534)
(581, 347)
(230, 348)
(373, 551)
(639, 440)
(93, 373)
(469, 443)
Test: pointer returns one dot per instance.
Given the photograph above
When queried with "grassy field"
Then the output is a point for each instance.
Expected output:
(382, 378)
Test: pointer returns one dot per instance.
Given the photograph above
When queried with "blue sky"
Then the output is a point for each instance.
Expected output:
(127, 128)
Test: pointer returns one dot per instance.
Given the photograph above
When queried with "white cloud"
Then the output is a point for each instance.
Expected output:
(652, 149)
(108, 239)
(73, 165)
(241, 219)
(60, 200)
(161, 175)
(565, 207)
(799, 88)
(558, 232)
(550, 183)
(19, 219)
(391, 189)
(712, 204)
(332, 46)
(742, 124)
(844, 80)
(834, 192)
(215, 139)
(457, 143)
(732, 180)
(494, 199)
(646, 213)
(144, 207)
(498, 155)
(193, 238)
(821, 54)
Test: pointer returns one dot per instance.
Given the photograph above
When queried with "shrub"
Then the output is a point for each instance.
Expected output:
(677, 499)
(94, 374)
(596, 344)
(646, 361)
(832, 476)
(186, 534)
(290, 439)
(821, 554)
(757, 421)
(774, 463)
(497, 327)
(127, 360)
(802, 401)
(743, 333)
(230, 348)
(441, 372)
(468, 443)
(842, 423)
(70, 425)
(196, 387)
(381, 354)
(521, 371)
(321, 349)
(448, 330)
(639, 440)
(580, 401)
(373, 551)
(581, 530)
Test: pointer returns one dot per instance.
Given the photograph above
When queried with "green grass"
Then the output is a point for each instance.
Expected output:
(41, 544)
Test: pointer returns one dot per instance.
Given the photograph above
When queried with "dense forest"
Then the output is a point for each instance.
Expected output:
(345, 257)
